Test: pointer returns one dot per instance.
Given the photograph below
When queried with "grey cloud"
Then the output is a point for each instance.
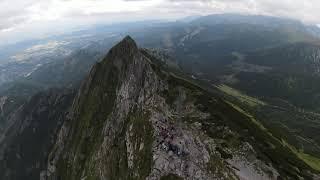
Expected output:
(306, 10)
(17, 12)
(13, 12)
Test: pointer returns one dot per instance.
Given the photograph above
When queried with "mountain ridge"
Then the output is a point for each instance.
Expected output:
(137, 117)
(150, 125)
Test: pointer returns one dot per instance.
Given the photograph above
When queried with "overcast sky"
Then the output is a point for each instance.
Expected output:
(26, 18)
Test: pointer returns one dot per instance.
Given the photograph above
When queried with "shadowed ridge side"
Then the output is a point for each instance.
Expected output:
(126, 47)
(121, 54)
(105, 104)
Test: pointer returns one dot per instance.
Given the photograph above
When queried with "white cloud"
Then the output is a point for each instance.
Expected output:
(16, 12)
(7, 29)
(55, 9)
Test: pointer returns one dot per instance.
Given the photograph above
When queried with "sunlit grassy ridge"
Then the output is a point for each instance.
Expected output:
(248, 115)
(242, 97)
(310, 160)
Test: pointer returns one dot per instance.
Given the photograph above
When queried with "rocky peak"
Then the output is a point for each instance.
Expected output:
(126, 47)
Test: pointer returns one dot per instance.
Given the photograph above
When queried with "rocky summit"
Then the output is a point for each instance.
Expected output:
(136, 118)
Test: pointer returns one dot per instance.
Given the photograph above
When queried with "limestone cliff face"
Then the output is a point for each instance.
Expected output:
(133, 119)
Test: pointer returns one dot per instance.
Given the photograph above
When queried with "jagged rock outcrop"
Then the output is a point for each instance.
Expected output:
(26, 143)
(133, 119)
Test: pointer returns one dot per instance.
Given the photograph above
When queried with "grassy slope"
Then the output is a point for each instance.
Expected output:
(312, 161)
(242, 97)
